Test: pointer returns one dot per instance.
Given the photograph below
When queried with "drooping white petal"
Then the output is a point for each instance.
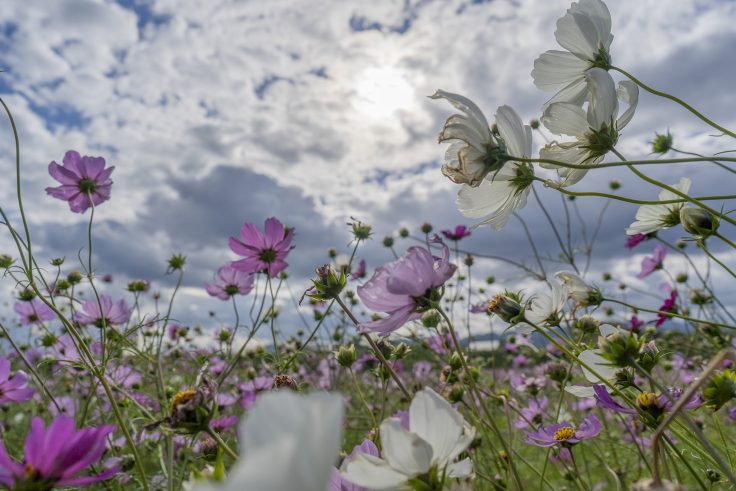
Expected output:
(515, 133)
(405, 451)
(564, 118)
(434, 420)
(556, 69)
(493, 200)
(628, 93)
(598, 364)
(461, 469)
(576, 33)
(465, 105)
(371, 472)
(603, 106)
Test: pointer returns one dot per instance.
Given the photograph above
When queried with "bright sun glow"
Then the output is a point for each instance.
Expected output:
(381, 91)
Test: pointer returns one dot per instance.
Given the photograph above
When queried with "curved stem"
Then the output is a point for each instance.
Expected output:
(670, 314)
(677, 100)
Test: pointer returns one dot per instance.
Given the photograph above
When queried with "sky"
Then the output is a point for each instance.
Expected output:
(223, 112)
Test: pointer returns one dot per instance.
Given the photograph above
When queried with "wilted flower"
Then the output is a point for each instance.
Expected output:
(406, 287)
(55, 455)
(33, 312)
(650, 218)
(110, 315)
(436, 436)
(596, 133)
(84, 181)
(585, 32)
(654, 262)
(13, 389)
(288, 442)
(230, 282)
(265, 251)
(564, 433)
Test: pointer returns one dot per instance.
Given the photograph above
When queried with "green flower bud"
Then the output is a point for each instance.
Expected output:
(75, 277)
(400, 351)
(620, 348)
(403, 232)
(587, 323)
(700, 297)
(506, 308)
(469, 260)
(138, 286)
(606, 276)
(431, 318)
(534, 123)
(557, 372)
(426, 228)
(26, 295)
(388, 241)
(490, 280)
(698, 222)
(5, 261)
(456, 363)
(614, 184)
(346, 356)
(455, 394)
(361, 231)
(177, 262)
(720, 389)
(681, 278)
(649, 356)
(328, 284)
(57, 261)
(662, 143)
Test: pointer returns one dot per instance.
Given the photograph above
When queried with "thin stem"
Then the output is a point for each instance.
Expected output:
(677, 100)
(221, 442)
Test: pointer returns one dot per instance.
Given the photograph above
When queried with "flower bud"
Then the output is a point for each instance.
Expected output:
(431, 318)
(713, 475)
(332, 253)
(490, 280)
(606, 276)
(400, 351)
(557, 372)
(614, 184)
(649, 356)
(662, 143)
(469, 260)
(506, 308)
(698, 222)
(5, 261)
(403, 232)
(388, 241)
(138, 286)
(361, 231)
(455, 394)
(346, 356)
(587, 323)
(720, 389)
(620, 348)
(57, 261)
(177, 262)
(534, 123)
(426, 228)
(456, 363)
(26, 295)
(75, 277)
(699, 296)
(681, 278)
(328, 284)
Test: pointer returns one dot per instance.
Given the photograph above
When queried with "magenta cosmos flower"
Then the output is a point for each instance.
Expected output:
(84, 181)
(230, 282)
(405, 287)
(112, 313)
(669, 305)
(654, 262)
(460, 232)
(634, 240)
(15, 388)
(262, 251)
(564, 433)
(55, 455)
(33, 312)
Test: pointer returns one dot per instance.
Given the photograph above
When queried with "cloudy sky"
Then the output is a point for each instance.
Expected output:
(222, 112)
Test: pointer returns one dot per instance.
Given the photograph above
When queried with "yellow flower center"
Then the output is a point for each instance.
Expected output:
(564, 433)
(181, 397)
(647, 399)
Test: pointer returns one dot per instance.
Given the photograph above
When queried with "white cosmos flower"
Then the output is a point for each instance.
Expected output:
(437, 435)
(543, 308)
(602, 367)
(506, 189)
(650, 218)
(585, 32)
(578, 290)
(596, 132)
(287, 441)
(474, 150)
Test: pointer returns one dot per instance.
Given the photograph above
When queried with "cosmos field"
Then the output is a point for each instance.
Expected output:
(569, 326)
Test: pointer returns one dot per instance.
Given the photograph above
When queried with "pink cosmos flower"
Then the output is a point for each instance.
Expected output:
(54, 456)
(265, 251)
(230, 282)
(667, 306)
(33, 312)
(15, 388)
(564, 434)
(117, 313)
(84, 181)
(634, 240)
(460, 232)
(402, 288)
(359, 272)
(654, 262)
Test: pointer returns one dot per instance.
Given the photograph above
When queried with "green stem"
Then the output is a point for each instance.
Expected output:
(221, 443)
(677, 100)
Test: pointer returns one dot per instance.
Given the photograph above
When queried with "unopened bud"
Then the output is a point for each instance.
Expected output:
(504, 307)
(662, 143)
(75, 277)
(698, 222)
(388, 241)
(403, 232)
(426, 228)
(346, 356)
(431, 318)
